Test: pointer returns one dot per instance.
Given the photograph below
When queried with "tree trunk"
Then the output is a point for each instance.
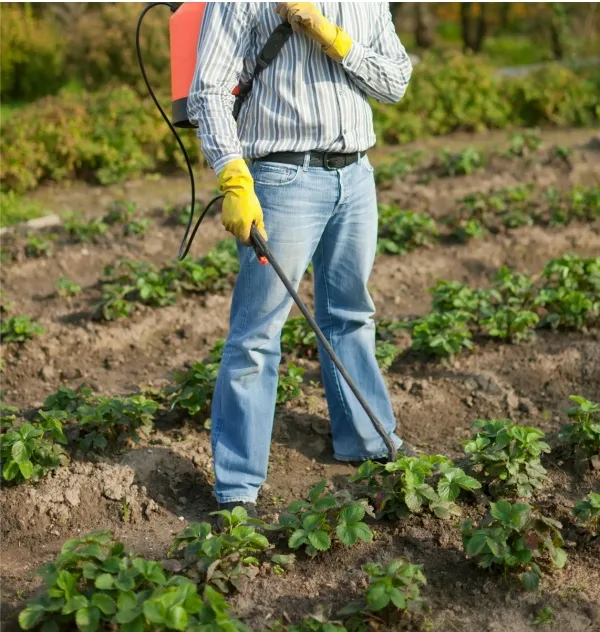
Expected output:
(423, 34)
(481, 29)
(473, 33)
(465, 24)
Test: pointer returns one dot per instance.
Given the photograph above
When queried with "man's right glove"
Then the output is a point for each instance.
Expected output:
(241, 206)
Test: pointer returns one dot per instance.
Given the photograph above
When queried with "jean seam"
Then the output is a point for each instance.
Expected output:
(225, 363)
(333, 368)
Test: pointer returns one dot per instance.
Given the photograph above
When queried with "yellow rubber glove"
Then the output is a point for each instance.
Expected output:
(306, 18)
(241, 207)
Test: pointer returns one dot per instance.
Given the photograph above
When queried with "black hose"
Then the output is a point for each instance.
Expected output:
(262, 248)
(184, 247)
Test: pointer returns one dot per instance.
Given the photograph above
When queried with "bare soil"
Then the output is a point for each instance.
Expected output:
(148, 494)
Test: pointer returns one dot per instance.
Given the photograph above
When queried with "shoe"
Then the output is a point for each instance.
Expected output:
(249, 507)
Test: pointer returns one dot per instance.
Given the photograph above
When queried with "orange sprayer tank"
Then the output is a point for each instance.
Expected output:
(184, 30)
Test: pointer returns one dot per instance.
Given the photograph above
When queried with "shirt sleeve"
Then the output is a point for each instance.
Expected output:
(382, 69)
(222, 45)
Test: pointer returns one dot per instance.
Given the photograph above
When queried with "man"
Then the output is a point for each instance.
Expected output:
(309, 205)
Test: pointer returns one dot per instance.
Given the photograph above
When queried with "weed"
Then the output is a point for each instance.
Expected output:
(31, 450)
(312, 523)
(401, 231)
(288, 387)
(224, 559)
(515, 536)
(19, 329)
(545, 616)
(66, 288)
(587, 512)
(509, 455)
(400, 488)
(583, 434)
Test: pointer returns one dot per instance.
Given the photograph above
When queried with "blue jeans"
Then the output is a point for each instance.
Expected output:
(329, 217)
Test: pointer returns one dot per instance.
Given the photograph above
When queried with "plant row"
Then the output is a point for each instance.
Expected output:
(95, 581)
(525, 145)
(114, 134)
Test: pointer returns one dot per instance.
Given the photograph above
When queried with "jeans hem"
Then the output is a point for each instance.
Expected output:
(366, 457)
(235, 499)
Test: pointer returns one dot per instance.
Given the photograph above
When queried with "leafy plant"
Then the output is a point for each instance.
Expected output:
(583, 434)
(112, 421)
(442, 334)
(83, 231)
(401, 231)
(402, 165)
(66, 288)
(385, 353)
(31, 450)
(587, 512)
(137, 226)
(509, 455)
(314, 522)
(193, 389)
(120, 212)
(465, 229)
(515, 537)
(402, 487)
(19, 329)
(95, 583)
(68, 400)
(464, 162)
(392, 588)
(544, 616)
(226, 558)
(38, 247)
(524, 143)
(288, 387)
(297, 337)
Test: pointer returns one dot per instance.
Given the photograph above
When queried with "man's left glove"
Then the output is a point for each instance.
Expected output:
(306, 18)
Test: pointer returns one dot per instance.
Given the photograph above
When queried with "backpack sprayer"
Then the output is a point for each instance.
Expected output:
(184, 31)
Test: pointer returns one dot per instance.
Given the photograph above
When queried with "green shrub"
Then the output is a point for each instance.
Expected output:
(587, 512)
(32, 54)
(15, 209)
(19, 329)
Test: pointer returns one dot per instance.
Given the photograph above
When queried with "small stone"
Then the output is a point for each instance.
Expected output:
(468, 401)
(488, 382)
(471, 384)
(72, 496)
(47, 373)
(180, 518)
(182, 500)
(172, 566)
(527, 406)
(595, 461)
(512, 401)
(266, 487)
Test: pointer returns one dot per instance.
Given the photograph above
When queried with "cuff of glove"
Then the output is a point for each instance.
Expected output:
(222, 162)
(340, 47)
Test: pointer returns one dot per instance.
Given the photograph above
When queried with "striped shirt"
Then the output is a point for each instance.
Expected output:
(303, 101)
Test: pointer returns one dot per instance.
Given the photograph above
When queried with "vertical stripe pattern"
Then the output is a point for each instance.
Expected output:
(303, 101)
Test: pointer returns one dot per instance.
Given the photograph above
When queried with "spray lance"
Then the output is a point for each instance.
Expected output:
(184, 31)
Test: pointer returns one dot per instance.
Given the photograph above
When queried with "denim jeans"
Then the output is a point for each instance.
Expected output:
(329, 217)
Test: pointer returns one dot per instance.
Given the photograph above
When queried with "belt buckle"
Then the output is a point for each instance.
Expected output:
(331, 162)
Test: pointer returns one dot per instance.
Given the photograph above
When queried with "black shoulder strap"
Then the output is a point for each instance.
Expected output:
(268, 53)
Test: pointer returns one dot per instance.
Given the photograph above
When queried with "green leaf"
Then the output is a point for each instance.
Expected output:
(153, 611)
(104, 602)
(531, 580)
(297, 538)
(176, 618)
(87, 619)
(135, 625)
(559, 558)
(412, 500)
(19, 452)
(31, 616)
(75, 603)
(320, 540)
(311, 521)
(363, 532)
(50, 626)
(397, 598)
(377, 596)
(352, 513)
(67, 582)
(477, 542)
(346, 534)
(239, 514)
(104, 582)
(26, 469)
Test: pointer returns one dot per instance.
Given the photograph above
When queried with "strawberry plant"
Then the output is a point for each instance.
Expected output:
(523, 144)
(112, 421)
(288, 387)
(314, 522)
(36, 247)
(83, 231)
(583, 434)
(509, 207)
(402, 165)
(297, 337)
(450, 296)
(392, 589)
(401, 231)
(462, 163)
(385, 353)
(465, 229)
(29, 451)
(223, 559)
(137, 226)
(193, 389)
(509, 456)
(19, 329)
(587, 512)
(95, 584)
(120, 212)
(515, 537)
(441, 334)
(68, 400)
(580, 204)
(406, 486)
(66, 288)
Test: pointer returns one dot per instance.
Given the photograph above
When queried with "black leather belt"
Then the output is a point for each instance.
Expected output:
(325, 159)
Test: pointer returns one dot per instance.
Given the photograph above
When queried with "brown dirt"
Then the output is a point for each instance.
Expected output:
(148, 494)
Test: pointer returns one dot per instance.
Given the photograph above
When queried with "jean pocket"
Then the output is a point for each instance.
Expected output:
(366, 164)
(274, 174)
